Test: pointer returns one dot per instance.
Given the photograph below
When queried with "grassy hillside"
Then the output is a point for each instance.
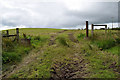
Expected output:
(58, 53)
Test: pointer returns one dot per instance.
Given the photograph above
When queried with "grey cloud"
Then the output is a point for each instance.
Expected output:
(98, 13)
(56, 14)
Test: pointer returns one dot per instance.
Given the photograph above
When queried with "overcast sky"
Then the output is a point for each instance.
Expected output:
(56, 13)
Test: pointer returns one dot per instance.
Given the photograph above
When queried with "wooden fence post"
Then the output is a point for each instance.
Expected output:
(87, 29)
(17, 33)
(7, 32)
(106, 29)
(92, 28)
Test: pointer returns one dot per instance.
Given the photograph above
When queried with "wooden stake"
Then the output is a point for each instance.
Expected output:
(17, 33)
(106, 29)
(86, 28)
(92, 28)
(7, 32)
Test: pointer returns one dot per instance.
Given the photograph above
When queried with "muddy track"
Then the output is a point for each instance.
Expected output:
(72, 38)
(53, 37)
(52, 40)
(69, 69)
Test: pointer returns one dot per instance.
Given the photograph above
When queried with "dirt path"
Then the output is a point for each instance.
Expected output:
(70, 68)
(52, 39)
(72, 38)
(70, 35)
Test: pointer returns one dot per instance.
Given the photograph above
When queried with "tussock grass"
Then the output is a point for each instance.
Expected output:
(62, 41)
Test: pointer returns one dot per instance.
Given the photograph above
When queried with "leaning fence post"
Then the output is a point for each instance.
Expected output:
(17, 34)
(86, 28)
(92, 30)
(7, 32)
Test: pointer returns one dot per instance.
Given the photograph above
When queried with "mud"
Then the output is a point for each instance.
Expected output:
(69, 69)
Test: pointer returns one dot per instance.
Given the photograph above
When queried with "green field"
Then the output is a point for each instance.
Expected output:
(59, 53)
